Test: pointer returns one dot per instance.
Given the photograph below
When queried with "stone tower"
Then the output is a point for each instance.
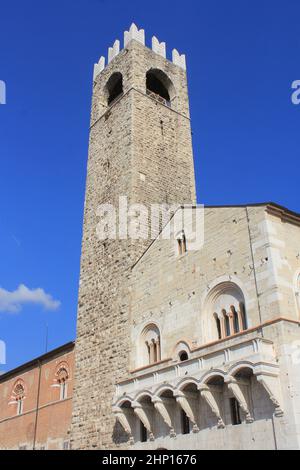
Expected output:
(139, 148)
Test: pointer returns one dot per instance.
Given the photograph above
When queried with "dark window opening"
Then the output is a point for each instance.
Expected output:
(227, 323)
(114, 87)
(156, 88)
(143, 432)
(235, 320)
(235, 412)
(185, 423)
(183, 356)
(243, 316)
(182, 245)
(218, 327)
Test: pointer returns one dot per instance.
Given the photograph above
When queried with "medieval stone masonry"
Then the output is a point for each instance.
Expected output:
(177, 347)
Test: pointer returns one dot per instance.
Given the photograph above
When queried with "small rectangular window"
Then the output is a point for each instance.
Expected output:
(235, 412)
(185, 423)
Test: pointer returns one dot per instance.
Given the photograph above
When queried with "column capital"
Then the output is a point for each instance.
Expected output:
(136, 404)
(178, 394)
(229, 379)
(156, 399)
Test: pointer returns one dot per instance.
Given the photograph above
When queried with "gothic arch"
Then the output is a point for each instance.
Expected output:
(62, 372)
(18, 390)
(18, 395)
(61, 378)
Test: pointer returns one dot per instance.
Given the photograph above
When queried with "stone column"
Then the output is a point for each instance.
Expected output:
(223, 328)
(152, 352)
(158, 352)
(240, 320)
(231, 322)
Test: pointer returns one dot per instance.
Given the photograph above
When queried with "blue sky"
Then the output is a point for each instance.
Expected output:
(242, 57)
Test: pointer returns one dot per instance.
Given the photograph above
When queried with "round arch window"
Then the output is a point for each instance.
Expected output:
(159, 86)
(183, 356)
(114, 87)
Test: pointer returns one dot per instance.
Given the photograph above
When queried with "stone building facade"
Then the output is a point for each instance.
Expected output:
(176, 347)
(36, 402)
(179, 346)
(227, 321)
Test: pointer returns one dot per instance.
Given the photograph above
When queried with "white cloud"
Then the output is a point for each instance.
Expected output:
(13, 301)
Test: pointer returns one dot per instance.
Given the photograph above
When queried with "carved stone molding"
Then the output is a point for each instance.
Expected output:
(121, 417)
(141, 414)
(208, 395)
(272, 387)
(161, 408)
(238, 390)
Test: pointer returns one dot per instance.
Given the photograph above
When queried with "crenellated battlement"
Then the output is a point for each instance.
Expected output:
(138, 35)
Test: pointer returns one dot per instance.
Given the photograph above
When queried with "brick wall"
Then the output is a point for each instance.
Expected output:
(45, 419)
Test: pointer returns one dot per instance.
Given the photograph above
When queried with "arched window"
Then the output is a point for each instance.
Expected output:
(159, 86)
(150, 345)
(114, 87)
(185, 423)
(242, 316)
(236, 326)
(62, 379)
(218, 325)
(225, 318)
(235, 411)
(181, 351)
(183, 356)
(18, 393)
(226, 306)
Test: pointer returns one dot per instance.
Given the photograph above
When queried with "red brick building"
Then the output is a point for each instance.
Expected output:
(36, 402)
